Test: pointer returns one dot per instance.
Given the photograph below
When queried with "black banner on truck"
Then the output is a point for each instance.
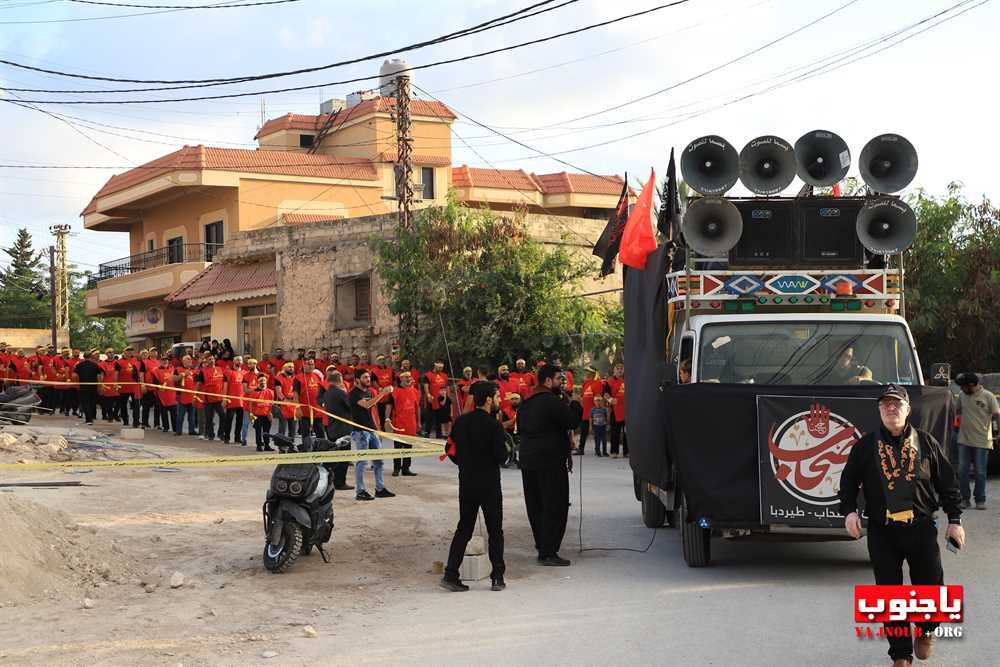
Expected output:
(803, 443)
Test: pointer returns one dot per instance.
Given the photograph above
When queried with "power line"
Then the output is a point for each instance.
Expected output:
(413, 68)
(97, 18)
(234, 6)
(486, 25)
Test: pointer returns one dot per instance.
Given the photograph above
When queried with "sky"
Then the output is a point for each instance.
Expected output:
(720, 67)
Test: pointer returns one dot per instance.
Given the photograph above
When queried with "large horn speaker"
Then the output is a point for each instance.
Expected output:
(888, 163)
(712, 226)
(886, 226)
(822, 158)
(767, 165)
(710, 165)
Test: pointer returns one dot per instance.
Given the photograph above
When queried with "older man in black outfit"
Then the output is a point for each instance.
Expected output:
(544, 420)
(333, 398)
(905, 477)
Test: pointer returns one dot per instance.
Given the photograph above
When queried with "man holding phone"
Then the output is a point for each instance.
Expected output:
(905, 477)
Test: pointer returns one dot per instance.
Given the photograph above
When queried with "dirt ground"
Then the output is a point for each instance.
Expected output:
(206, 524)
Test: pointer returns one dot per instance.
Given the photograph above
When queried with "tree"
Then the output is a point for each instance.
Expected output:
(86, 332)
(953, 280)
(24, 291)
(473, 284)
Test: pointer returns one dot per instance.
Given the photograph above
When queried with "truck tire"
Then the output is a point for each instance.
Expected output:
(654, 514)
(637, 487)
(695, 540)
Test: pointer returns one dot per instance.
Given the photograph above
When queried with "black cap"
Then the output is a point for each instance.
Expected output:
(966, 378)
(895, 391)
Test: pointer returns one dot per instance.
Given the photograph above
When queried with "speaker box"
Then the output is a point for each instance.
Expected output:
(828, 231)
(769, 233)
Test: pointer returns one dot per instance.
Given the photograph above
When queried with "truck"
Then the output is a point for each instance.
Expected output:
(748, 385)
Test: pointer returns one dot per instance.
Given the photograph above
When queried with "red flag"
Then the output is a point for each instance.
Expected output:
(637, 239)
(835, 190)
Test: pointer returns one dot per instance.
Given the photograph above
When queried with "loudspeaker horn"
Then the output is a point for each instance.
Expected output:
(886, 226)
(710, 165)
(822, 158)
(712, 226)
(888, 163)
(767, 165)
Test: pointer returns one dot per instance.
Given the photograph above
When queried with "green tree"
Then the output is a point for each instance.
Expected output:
(479, 283)
(86, 332)
(24, 290)
(953, 280)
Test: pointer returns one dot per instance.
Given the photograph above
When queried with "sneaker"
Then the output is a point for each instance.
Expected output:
(554, 561)
(269, 448)
(90, 423)
(498, 584)
(201, 437)
(407, 473)
(364, 495)
(453, 585)
(385, 493)
(923, 646)
(344, 487)
(980, 504)
(966, 504)
(395, 473)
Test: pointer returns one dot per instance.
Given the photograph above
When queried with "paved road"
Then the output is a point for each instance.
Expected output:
(758, 604)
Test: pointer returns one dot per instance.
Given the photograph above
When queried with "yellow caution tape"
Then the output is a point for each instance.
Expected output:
(341, 456)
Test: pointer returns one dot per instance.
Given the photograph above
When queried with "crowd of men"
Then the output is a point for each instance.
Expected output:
(215, 394)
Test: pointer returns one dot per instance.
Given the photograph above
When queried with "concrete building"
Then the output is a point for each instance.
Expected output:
(330, 174)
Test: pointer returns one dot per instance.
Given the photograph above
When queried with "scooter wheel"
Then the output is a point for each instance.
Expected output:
(281, 557)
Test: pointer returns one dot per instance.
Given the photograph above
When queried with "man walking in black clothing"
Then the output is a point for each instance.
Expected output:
(334, 400)
(477, 447)
(86, 373)
(905, 476)
(543, 422)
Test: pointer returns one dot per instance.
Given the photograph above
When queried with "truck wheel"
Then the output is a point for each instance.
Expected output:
(637, 487)
(653, 511)
(695, 540)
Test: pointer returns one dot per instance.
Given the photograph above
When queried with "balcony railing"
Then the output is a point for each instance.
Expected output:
(175, 254)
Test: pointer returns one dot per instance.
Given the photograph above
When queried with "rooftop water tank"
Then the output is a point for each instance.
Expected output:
(387, 75)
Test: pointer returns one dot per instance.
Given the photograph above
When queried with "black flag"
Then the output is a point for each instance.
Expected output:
(611, 238)
(669, 219)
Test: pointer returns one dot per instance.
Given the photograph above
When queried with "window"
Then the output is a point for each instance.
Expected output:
(353, 301)
(175, 250)
(427, 178)
(151, 245)
(816, 352)
(213, 239)
(258, 326)
(306, 140)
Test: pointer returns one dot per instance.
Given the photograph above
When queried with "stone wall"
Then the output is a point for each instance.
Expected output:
(311, 257)
(29, 339)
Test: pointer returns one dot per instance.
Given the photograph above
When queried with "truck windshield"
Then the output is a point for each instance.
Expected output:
(821, 353)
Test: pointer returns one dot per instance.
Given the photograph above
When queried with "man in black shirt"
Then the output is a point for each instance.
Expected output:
(905, 476)
(477, 448)
(334, 400)
(85, 373)
(543, 421)
(362, 399)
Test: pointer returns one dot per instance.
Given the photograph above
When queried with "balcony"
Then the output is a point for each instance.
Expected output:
(147, 277)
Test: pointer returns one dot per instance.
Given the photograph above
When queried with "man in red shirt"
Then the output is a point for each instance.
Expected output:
(184, 378)
(150, 362)
(323, 361)
(614, 393)
(522, 377)
(506, 385)
(277, 361)
(364, 362)
(71, 392)
(306, 390)
(108, 388)
(284, 392)
(557, 362)
(166, 399)
(464, 390)
(434, 381)
(402, 415)
(233, 402)
(260, 408)
(211, 383)
(129, 375)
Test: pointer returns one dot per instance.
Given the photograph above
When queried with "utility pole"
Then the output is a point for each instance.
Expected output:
(52, 293)
(60, 320)
(404, 153)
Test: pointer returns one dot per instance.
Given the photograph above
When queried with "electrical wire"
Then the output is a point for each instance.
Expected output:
(97, 18)
(232, 6)
(412, 68)
(506, 19)
(581, 549)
